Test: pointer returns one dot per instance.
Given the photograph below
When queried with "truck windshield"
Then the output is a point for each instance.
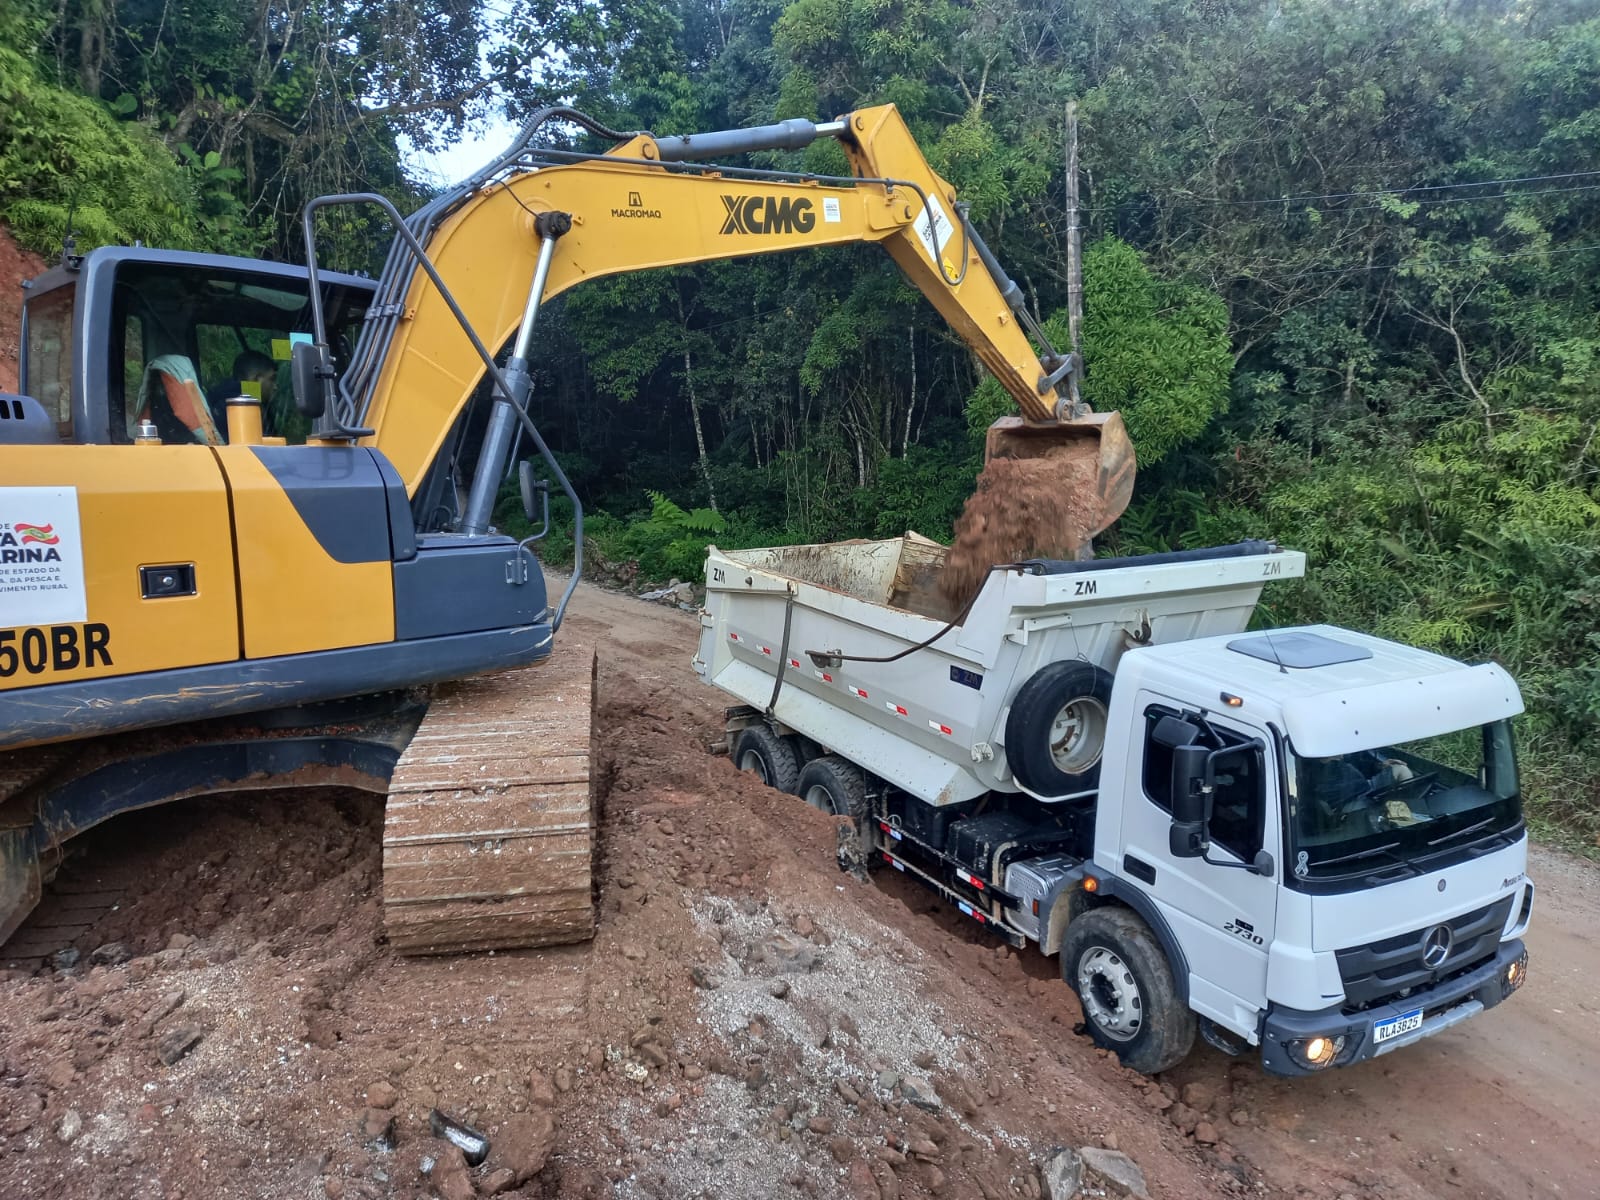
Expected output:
(1371, 808)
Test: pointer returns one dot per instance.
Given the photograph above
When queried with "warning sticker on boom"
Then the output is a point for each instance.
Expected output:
(934, 228)
(41, 557)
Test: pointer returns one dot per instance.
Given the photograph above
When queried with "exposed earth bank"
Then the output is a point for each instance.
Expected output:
(16, 265)
(225, 1020)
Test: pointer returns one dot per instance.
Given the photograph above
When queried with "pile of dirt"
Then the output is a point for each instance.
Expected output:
(16, 266)
(1039, 507)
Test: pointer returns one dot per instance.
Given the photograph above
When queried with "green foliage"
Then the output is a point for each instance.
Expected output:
(208, 128)
(62, 152)
(670, 542)
(1155, 351)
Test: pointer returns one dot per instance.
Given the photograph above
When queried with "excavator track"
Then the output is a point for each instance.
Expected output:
(489, 830)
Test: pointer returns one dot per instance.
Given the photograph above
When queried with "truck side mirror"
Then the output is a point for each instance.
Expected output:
(308, 368)
(1187, 838)
(1173, 732)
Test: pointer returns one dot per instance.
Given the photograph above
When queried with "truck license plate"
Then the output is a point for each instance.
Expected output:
(1404, 1023)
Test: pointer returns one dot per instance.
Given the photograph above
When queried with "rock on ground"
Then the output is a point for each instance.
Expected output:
(1119, 1173)
(522, 1144)
(1061, 1175)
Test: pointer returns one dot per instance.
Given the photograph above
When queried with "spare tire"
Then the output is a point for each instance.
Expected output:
(1056, 730)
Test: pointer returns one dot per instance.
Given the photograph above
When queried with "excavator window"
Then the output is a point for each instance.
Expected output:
(184, 333)
(48, 365)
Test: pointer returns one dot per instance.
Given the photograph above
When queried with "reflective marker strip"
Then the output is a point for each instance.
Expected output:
(972, 912)
(970, 880)
(795, 663)
(899, 709)
(857, 691)
(938, 728)
(764, 650)
(890, 830)
(822, 675)
(893, 861)
(732, 636)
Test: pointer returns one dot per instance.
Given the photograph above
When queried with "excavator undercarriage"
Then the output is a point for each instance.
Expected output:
(489, 821)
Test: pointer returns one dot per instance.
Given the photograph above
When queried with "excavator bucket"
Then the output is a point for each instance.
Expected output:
(1093, 454)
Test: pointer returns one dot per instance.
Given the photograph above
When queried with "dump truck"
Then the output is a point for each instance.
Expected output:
(1305, 842)
(247, 510)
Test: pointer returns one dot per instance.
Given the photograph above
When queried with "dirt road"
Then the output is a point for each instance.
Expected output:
(747, 1022)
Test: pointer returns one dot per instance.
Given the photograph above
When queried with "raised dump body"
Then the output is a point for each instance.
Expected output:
(824, 639)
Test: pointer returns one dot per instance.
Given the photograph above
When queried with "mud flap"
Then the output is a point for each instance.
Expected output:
(854, 853)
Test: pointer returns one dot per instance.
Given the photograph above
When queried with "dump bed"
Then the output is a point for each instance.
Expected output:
(792, 630)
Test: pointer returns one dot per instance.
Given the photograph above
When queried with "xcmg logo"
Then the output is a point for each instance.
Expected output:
(768, 214)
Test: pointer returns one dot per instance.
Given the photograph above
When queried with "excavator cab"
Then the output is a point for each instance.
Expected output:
(125, 336)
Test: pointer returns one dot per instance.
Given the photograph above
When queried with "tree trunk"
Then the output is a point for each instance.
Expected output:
(91, 47)
(699, 432)
(911, 407)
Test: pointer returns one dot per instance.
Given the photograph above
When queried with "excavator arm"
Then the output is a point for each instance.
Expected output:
(649, 203)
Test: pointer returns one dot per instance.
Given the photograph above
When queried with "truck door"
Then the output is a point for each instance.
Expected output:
(1223, 916)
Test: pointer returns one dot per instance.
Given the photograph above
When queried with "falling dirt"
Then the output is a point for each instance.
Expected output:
(16, 265)
(1023, 508)
(748, 1022)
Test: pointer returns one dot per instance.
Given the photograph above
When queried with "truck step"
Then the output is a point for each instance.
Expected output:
(489, 829)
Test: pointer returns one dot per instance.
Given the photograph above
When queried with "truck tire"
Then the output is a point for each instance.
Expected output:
(835, 786)
(767, 756)
(1124, 983)
(1056, 730)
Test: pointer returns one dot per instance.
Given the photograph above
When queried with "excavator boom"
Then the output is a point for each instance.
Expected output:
(648, 203)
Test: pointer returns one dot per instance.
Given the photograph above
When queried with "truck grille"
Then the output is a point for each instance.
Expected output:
(1396, 965)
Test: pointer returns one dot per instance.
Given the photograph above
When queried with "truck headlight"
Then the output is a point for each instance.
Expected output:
(1318, 1052)
(1516, 972)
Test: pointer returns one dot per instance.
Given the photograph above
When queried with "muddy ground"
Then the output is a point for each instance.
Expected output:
(748, 1022)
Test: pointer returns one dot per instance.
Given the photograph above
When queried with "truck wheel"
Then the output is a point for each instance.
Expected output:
(767, 756)
(1124, 983)
(1057, 728)
(835, 786)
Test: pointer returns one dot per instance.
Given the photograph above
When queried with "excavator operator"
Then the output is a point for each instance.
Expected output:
(254, 374)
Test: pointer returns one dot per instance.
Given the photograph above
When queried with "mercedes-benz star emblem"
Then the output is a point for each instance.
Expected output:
(1436, 946)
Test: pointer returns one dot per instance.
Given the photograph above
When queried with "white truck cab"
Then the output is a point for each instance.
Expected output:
(1342, 871)
(1307, 842)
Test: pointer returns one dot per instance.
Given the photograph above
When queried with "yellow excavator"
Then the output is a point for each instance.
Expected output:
(210, 582)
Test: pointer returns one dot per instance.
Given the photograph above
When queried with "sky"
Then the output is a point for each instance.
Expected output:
(476, 146)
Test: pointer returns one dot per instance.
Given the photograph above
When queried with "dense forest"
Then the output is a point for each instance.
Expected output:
(1342, 269)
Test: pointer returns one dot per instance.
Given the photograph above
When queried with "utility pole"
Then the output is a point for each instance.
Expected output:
(1074, 246)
